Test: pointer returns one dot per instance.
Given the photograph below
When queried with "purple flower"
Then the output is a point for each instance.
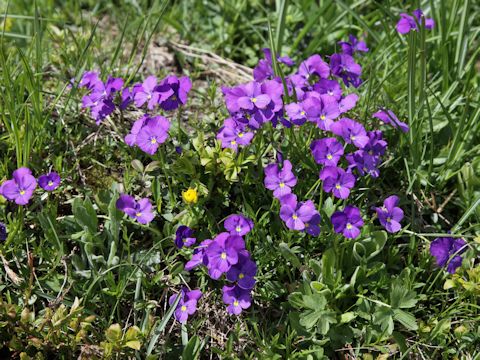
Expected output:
(388, 117)
(280, 181)
(243, 272)
(153, 133)
(337, 181)
(264, 68)
(140, 211)
(233, 134)
(198, 256)
(236, 298)
(327, 151)
(238, 225)
(314, 65)
(329, 88)
(222, 253)
(3, 232)
(100, 99)
(184, 237)
(408, 23)
(19, 189)
(345, 67)
(90, 80)
(296, 214)
(131, 138)
(351, 131)
(174, 92)
(145, 93)
(448, 250)
(296, 113)
(354, 45)
(127, 98)
(312, 226)
(364, 163)
(348, 222)
(390, 215)
(348, 103)
(321, 109)
(187, 304)
(49, 182)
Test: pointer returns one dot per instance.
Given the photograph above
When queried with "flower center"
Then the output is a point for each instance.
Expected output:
(352, 137)
(241, 276)
(330, 92)
(153, 141)
(389, 219)
(338, 187)
(235, 303)
(183, 308)
(302, 113)
(294, 217)
(282, 184)
(329, 156)
(254, 100)
(223, 255)
(322, 117)
(238, 229)
(138, 214)
(370, 152)
(50, 183)
(240, 135)
(22, 192)
(349, 226)
(233, 142)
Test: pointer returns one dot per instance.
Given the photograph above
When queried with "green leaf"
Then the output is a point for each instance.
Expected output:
(405, 318)
(85, 218)
(114, 333)
(134, 344)
(192, 349)
(289, 255)
(310, 318)
(327, 317)
(347, 317)
(328, 267)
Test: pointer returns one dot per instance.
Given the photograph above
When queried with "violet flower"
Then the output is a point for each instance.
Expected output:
(140, 211)
(234, 134)
(174, 92)
(243, 272)
(354, 45)
(280, 181)
(187, 304)
(238, 224)
(198, 257)
(222, 253)
(314, 65)
(236, 298)
(337, 181)
(390, 215)
(329, 88)
(153, 133)
(296, 214)
(49, 182)
(347, 222)
(327, 151)
(388, 117)
(408, 23)
(447, 250)
(345, 67)
(184, 237)
(351, 131)
(312, 226)
(145, 93)
(20, 188)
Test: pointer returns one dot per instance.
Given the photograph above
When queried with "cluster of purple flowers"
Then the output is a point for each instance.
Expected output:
(225, 255)
(138, 210)
(167, 94)
(317, 93)
(408, 23)
(21, 187)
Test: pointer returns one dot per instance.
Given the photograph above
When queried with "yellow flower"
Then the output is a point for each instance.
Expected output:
(190, 196)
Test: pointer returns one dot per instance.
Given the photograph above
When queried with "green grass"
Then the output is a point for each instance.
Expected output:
(374, 296)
